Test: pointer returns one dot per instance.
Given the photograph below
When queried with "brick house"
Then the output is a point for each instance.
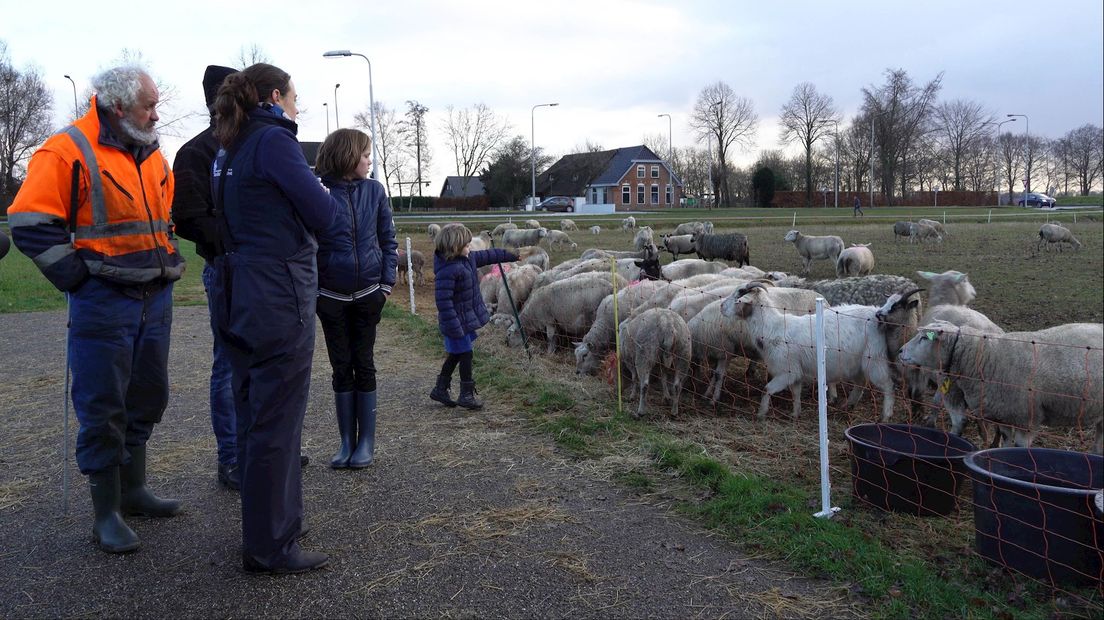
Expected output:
(629, 178)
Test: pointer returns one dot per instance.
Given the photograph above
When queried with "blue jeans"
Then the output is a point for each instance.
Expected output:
(223, 417)
(119, 354)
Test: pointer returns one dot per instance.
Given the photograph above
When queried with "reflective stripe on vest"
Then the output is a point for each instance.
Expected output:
(99, 208)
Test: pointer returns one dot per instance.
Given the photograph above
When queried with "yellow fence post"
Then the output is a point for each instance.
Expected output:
(616, 330)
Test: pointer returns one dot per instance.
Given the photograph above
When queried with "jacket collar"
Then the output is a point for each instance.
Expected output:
(98, 125)
(272, 117)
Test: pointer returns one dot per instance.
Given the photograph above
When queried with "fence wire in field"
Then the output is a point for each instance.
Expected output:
(939, 419)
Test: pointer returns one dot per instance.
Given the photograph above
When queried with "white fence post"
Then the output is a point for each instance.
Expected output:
(826, 508)
(794, 225)
(990, 220)
(410, 277)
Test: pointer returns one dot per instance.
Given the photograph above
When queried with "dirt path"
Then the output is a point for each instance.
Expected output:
(462, 515)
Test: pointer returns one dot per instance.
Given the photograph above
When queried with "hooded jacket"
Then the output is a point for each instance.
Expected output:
(357, 254)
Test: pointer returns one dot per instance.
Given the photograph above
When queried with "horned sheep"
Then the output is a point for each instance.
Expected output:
(856, 260)
(1021, 379)
(810, 247)
(1056, 233)
(658, 341)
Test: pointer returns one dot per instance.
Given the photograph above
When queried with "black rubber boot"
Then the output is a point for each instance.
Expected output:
(467, 398)
(366, 430)
(440, 392)
(137, 500)
(346, 427)
(300, 562)
(109, 530)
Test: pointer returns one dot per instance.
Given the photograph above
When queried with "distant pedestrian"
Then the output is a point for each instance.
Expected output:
(356, 270)
(460, 308)
(858, 207)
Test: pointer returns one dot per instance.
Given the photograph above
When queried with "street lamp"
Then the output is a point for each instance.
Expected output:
(371, 104)
(326, 107)
(76, 108)
(670, 142)
(996, 169)
(533, 148)
(337, 120)
(1027, 164)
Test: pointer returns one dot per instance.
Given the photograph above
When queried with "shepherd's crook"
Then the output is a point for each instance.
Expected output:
(513, 308)
(74, 196)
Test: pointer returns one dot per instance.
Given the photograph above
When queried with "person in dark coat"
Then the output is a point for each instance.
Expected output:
(357, 257)
(460, 308)
(194, 218)
(268, 206)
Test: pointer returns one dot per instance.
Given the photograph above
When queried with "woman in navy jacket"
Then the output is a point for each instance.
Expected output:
(356, 270)
(268, 206)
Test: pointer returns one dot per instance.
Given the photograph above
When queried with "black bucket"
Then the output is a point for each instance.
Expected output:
(1036, 510)
(912, 469)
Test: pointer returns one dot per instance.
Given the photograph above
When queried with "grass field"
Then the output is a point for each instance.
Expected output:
(1095, 200)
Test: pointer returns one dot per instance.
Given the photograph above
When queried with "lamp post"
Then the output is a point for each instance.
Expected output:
(326, 107)
(996, 168)
(337, 120)
(533, 149)
(371, 104)
(670, 141)
(76, 108)
(1027, 165)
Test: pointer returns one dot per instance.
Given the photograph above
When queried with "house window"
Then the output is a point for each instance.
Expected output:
(594, 195)
(655, 194)
(655, 172)
(640, 193)
(625, 194)
(640, 171)
(668, 193)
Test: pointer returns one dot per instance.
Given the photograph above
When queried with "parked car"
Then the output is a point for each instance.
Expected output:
(1037, 200)
(557, 203)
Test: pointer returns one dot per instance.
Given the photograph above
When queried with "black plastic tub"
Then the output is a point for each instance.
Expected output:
(1036, 511)
(912, 469)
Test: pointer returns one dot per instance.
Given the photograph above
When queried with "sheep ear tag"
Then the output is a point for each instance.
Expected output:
(930, 336)
(946, 387)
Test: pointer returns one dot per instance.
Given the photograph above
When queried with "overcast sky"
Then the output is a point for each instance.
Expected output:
(612, 65)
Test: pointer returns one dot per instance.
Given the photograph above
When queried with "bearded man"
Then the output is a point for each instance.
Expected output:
(93, 214)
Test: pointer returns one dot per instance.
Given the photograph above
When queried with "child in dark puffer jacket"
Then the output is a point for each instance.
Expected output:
(460, 309)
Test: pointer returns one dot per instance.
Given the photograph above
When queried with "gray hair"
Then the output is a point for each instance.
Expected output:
(118, 85)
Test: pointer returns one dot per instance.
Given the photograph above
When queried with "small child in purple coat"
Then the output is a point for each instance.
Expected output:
(460, 308)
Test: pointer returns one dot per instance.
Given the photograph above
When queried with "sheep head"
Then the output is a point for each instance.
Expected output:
(791, 236)
(929, 346)
(650, 268)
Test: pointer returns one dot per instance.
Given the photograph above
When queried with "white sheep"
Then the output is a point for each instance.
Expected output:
(566, 225)
(812, 248)
(559, 237)
(565, 307)
(628, 223)
(647, 252)
(856, 260)
(482, 241)
(678, 244)
(1020, 379)
(532, 224)
(518, 238)
(1056, 233)
(533, 255)
(691, 267)
(658, 341)
(689, 228)
(502, 228)
(520, 281)
(432, 231)
(923, 232)
(855, 348)
(599, 338)
(689, 303)
(643, 238)
(937, 225)
(596, 230)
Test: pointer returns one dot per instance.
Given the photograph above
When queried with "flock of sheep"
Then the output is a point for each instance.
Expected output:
(684, 322)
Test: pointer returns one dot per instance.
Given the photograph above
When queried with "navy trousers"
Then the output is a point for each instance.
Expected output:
(265, 312)
(223, 418)
(119, 355)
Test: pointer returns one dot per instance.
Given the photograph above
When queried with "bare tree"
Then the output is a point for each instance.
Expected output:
(1008, 154)
(901, 111)
(855, 154)
(807, 117)
(692, 167)
(729, 120)
(251, 55)
(960, 124)
(473, 134)
(25, 121)
(418, 138)
(391, 147)
(1086, 154)
(172, 121)
(657, 142)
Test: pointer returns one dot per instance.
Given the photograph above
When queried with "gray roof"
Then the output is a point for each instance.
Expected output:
(623, 160)
(454, 187)
(572, 174)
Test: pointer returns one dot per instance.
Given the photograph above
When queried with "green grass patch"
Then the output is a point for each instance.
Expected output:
(1096, 200)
